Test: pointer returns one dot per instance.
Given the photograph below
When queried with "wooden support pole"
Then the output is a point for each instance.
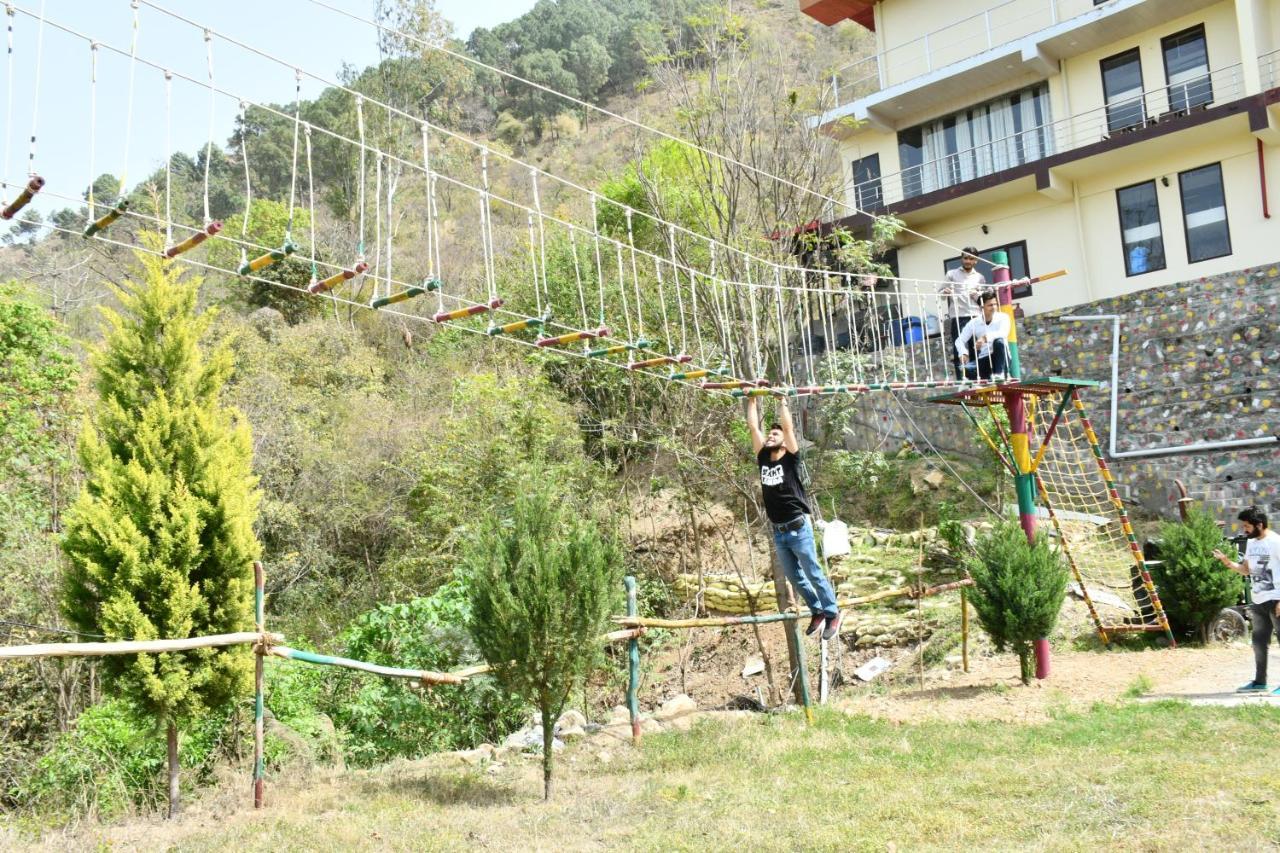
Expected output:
(633, 664)
(800, 675)
(133, 647)
(259, 762)
(964, 628)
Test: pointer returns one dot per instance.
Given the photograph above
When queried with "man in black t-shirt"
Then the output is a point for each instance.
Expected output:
(787, 506)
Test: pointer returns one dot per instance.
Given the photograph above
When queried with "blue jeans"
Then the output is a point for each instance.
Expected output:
(799, 558)
(997, 361)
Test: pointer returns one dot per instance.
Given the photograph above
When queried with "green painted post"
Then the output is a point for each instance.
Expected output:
(801, 675)
(259, 776)
(633, 665)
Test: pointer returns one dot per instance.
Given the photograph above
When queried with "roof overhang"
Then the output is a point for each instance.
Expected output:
(832, 12)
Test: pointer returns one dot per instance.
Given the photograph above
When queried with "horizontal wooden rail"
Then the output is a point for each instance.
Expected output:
(422, 676)
(133, 647)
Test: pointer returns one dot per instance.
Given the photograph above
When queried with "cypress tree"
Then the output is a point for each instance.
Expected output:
(1194, 586)
(160, 541)
(542, 586)
(1018, 589)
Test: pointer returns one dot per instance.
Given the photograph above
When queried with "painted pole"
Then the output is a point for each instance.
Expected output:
(964, 628)
(259, 776)
(633, 665)
(1000, 277)
(801, 673)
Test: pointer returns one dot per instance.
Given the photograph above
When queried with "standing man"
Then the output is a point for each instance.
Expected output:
(960, 290)
(1261, 565)
(986, 338)
(787, 506)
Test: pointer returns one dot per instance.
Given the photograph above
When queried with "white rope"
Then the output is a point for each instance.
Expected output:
(168, 159)
(8, 109)
(577, 278)
(392, 183)
(757, 361)
(248, 184)
(93, 123)
(128, 120)
(293, 170)
(35, 101)
(491, 278)
(542, 236)
(208, 146)
(377, 227)
(311, 204)
(622, 291)
(675, 274)
(697, 323)
(635, 277)
(361, 203)
(662, 299)
(595, 233)
(785, 355)
(433, 221)
(533, 265)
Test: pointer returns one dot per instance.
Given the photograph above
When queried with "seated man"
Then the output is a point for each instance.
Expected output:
(989, 333)
(787, 506)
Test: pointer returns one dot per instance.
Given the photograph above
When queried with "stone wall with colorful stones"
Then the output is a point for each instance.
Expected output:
(1199, 361)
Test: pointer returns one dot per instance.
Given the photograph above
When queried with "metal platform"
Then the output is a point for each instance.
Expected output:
(994, 395)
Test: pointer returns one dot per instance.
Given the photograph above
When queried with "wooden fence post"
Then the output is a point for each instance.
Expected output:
(633, 665)
(259, 781)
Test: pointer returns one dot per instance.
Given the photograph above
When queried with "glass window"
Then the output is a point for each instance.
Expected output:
(1140, 228)
(911, 158)
(1019, 267)
(1186, 68)
(1204, 213)
(1122, 86)
(867, 193)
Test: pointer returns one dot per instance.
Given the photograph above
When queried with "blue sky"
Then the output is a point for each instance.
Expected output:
(296, 32)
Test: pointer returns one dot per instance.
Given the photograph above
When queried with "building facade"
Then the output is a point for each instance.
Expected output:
(1131, 142)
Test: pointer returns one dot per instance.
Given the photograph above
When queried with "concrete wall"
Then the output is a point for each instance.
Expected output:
(1200, 361)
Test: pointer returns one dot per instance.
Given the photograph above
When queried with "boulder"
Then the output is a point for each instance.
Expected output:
(677, 706)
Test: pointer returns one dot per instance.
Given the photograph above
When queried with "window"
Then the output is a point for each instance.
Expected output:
(1019, 267)
(977, 141)
(1186, 68)
(1204, 213)
(867, 193)
(1140, 228)
(1122, 87)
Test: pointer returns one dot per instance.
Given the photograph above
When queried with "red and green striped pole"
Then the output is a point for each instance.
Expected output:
(259, 776)
(1004, 289)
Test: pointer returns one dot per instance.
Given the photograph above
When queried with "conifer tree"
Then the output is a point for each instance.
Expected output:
(1194, 586)
(160, 541)
(542, 586)
(1018, 589)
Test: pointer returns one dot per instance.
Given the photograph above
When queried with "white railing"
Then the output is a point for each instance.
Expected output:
(970, 36)
(1077, 131)
(1269, 68)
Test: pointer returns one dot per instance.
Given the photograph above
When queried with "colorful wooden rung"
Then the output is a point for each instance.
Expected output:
(194, 240)
(469, 311)
(616, 349)
(662, 359)
(327, 284)
(764, 392)
(732, 384)
(402, 296)
(700, 373)
(103, 222)
(517, 326)
(573, 337)
(24, 198)
(263, 261)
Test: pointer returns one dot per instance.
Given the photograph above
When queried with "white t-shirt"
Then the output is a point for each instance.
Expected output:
(1263, 557)
(978, 328)
(966, 289)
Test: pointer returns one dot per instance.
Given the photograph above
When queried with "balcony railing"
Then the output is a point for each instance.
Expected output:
(1096, 125)
(1000, 24)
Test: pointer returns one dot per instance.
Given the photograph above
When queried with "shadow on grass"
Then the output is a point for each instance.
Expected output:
(447, 788)
(959, 692)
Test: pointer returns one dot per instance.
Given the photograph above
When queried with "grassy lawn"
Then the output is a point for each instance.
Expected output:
(1119, 777)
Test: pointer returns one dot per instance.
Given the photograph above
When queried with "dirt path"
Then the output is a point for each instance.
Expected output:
(992, 690)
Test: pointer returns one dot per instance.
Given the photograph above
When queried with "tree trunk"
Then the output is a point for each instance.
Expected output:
(173, 769)
(1024, 661)
(548, 738)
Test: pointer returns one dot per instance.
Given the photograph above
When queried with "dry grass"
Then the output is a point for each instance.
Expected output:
(1122, 776)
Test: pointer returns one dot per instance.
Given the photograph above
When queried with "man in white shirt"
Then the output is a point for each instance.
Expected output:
(1261, 564)
(987, 336)
(960, 292)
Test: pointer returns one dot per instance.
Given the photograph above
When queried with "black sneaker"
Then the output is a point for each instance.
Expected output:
(833, 626)
(814, 624)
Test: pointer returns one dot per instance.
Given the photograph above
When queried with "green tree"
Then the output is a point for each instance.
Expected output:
(589, 61)
(1193, 585)
(1018, 589)
(542, 585)
(160, 541)
(269, 226)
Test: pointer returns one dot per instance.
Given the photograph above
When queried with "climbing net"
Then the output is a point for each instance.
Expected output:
(587, 276)
(1080, 497)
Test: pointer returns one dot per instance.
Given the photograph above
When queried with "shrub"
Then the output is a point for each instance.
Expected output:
(1018, 590)
(1193, 585)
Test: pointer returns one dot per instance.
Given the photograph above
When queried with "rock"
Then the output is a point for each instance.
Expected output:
(934, 479)
(604, 756)
(479, 755)
(570, 733)
(677, 706)
(649, 726)
(571, 719)
(681, 724)
(619, 714)
(754, 666)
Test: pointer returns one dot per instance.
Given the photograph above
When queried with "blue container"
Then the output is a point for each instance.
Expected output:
(907, 330)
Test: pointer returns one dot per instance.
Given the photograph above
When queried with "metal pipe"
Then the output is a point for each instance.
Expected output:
(1199, 446)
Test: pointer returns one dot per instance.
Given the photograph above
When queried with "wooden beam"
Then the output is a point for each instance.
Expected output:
(133, 647)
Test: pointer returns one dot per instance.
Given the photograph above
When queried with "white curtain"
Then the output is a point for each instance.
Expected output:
(987, 139)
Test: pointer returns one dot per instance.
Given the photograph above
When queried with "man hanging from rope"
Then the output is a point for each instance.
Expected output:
(787, 507)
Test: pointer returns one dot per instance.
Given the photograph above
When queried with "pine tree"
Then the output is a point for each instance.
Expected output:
(1018, 589)
(542, 587)
(1193, 585)
(160, 540)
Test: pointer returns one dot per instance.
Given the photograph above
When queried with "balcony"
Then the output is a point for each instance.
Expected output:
(1015, 42)
(1030, 153)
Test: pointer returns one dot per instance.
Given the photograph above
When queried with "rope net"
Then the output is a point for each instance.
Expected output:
(1078, 494)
